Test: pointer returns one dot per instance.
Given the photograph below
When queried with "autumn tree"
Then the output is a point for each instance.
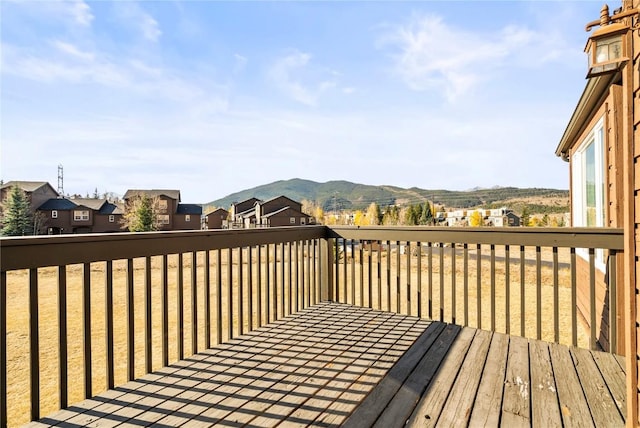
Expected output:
(525, 217)
(373, 215)
(141, 214)
(391, 216)
(410, 216)
(16, 214)
(476, 219)
(359, 218)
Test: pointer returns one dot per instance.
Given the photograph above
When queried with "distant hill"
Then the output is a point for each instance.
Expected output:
(344, 195)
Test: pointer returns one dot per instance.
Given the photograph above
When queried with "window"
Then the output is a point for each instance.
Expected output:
(54, 214)
(187, 217)
(292, 220)
(81, 215)
(588, 192)
(163, 219)
(112, 218)
(162, 204)
(302, 220)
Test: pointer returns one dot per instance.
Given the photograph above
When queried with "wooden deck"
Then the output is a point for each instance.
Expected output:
(336, 364)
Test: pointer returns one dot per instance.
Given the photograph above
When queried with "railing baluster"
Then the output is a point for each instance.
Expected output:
(344, 271)
(361, 255)
(574, 303)
(148, 346)
(453, 283)
(336, 281)
(259, 284)
(250, 286)
(419, 285)
(110, 377)
(207, 299)
(389, 276)
(230, 292)
(430, 279)
(309, 276)
(290, 276)
(592, 299)
(538, 293)
(34, 344)
(522, 303)
(465, 285)
(165, 309)
(180, 306)
(408, 278)
(131, 330)
(63, 390)
(194, 303)
(379, 275)
(240, 292)
(316, 271)
(86, 328)
(219, 296)
(282, 270)
(297, 275)
(274, 288)
(398, 310)
(353, 273)
(441, 303)
(493, 287)
(479, 286)
(507, 286)
(613, 303)
(3, 349)
(556, 298)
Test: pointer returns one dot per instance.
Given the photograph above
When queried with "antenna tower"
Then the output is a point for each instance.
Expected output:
(60, 180)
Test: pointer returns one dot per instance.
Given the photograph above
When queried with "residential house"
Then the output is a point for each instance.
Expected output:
(80, 215)
(278, 211)
(38, 192)
(168, 201)
(592, 143)
(216, 219)
(499, 217)
(188, 217)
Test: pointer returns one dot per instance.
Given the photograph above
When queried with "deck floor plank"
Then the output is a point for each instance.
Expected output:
(457, 409)
(335, 364)
(430, 406)
(488, 404)
(573, 404)
(545, 411)
(516, 409)
(604, 410)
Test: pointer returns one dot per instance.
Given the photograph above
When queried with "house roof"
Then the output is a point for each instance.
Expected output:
(247, 212)
(59, 204)
(173, 194)
(594, 93)
(27, 186)
(281, 210)
(189, 209)
(94, 204)
(216, 210)
(279, 197)
(110, 208)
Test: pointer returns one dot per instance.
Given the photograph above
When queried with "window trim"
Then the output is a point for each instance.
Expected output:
(187, 217)
(112, 218)
(82, 216)
(54, 213)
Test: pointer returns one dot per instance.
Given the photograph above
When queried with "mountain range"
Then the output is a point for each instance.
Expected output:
(345, 195)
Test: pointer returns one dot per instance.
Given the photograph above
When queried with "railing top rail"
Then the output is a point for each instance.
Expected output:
(40, 251)
(575, 237)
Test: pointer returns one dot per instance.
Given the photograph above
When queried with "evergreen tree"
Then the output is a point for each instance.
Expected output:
(16, 215)
(141, 215)
(410, 216)
(427, 215)
(525, 217)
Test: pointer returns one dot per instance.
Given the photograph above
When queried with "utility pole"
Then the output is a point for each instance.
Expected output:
(60, 181)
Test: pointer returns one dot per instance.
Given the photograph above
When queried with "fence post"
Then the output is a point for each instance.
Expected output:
(326, 269)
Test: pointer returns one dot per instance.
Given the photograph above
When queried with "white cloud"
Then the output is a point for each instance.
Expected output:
(288, 73)
(241, 63)
(133, 15)
(430, 54)
(81, 12)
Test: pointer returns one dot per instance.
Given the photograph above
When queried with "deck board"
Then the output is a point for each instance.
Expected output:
(340, 365)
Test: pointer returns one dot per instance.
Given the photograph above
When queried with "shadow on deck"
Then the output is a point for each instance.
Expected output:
(336, 364)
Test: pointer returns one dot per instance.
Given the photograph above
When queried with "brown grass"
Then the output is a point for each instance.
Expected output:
(18, 315)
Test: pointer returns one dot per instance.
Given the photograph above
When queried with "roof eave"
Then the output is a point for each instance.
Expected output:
(594, 92)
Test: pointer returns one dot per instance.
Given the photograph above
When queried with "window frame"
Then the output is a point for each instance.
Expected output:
(580, 193)
(112, 218)
(82, 216)
(54, 213)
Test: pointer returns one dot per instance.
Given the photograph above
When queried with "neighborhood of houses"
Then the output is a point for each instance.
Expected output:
(57, 214)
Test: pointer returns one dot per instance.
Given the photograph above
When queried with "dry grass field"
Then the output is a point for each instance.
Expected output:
(18, 316)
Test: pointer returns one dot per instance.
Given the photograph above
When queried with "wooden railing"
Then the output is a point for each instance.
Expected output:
(533, 282)
(145, 297)
(108, 308)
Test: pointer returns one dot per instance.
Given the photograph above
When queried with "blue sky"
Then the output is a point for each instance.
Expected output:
(216, 97)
